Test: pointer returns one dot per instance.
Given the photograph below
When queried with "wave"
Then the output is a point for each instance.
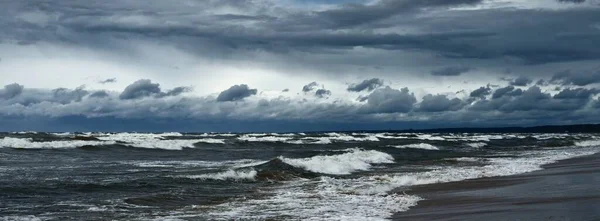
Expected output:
(477, 145)
(156, 141)
(227, 175)
(341, 164)
(423, 146)
(371, 197)
(588, 143)
(248, 138)
(194, 163)
(28, 143)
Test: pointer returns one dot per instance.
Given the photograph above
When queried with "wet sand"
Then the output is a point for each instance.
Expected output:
(566, 190)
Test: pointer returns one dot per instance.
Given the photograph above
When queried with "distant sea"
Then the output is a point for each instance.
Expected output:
(267, 176)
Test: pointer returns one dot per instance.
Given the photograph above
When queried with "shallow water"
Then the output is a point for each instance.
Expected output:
(321, 176)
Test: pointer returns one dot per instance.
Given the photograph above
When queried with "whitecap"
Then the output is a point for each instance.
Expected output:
(341, 164)
(28, 143)
(423, 146)
(226, 175)
(477, 145)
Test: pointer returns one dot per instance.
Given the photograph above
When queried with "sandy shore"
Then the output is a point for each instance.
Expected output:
(567, 190)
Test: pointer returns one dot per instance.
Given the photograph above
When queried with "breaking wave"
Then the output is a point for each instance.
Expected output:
(423, 146)
(341, 164)
(227, 175)
(28, 143)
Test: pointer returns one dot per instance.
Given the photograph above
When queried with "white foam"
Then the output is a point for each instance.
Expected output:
(429, 137)
(588, 143)
(528, 162)
(20, 218)
(27, 143)
(250, 138)
(155, 141)
(324, 199)
(423, 146)
(368, 198)
(346, 163)
(226, 175)
(333, 137)
(477, 145)
(194, 163)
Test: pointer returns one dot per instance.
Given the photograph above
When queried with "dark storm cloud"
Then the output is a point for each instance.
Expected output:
(107, 81)
(369, 85)
(309, 87)
(533, 99)
(450, 71)
(578, 78)
(322, 93)
(572, 1)
(11, 91)
(506, 91)
(481, 92)
(236, 93)
(99, 94)
(577, 93)
(464, 34)
(177, 91)
(358, 14)
(139, 89)
(65, 96)
(388, 100)
(440, 103)
(521, 81)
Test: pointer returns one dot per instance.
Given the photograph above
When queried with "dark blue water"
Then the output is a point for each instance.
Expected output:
(173, 176)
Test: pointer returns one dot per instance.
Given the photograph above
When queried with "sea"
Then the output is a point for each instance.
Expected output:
(254, 176)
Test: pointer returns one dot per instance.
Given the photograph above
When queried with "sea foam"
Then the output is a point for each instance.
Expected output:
(341, 164)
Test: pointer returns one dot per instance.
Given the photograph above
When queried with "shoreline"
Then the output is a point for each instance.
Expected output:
(565, 190)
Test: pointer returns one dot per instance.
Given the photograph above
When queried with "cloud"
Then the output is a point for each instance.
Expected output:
(521, 81)
(99, 94)
(11, 91)
(140, 89)
(579, 78)
(177, 91)
(577, 93)
(107, 81)
(506, 91)
(322, 93)
(236, 92)
(440, 103)
(451, 71)
(369, 85)
(388, 100)
(309, 87)
(65, 96)
(481, 92)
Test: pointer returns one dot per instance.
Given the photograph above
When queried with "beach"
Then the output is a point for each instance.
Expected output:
(566, 190)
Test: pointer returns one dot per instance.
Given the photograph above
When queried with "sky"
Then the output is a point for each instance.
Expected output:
(297, 65)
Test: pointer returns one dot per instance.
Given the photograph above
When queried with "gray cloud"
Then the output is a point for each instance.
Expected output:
(177, 91)
(369, 85)
(440, 103)
(506, 91)
(388, 100)
(309, 87)
(577, 93)
(236, 92)
(11, 91)
(65, 96)
(322, 93)
(481, 92)
(107, 81)
(450, 71)
(99, 94)
(521, 81)
(139, 89)
(579, 78)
